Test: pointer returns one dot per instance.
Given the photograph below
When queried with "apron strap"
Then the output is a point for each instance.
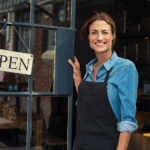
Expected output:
(107, 75)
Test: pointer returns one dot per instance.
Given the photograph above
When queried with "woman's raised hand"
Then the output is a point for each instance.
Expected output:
(76, 71)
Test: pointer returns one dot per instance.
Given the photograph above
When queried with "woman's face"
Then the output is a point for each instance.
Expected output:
(100, 36)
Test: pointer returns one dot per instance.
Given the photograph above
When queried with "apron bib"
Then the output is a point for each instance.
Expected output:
(96, 126)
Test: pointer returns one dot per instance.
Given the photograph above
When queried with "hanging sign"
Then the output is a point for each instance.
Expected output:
(16, 62)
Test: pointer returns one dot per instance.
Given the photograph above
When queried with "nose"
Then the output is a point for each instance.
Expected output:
(99, 36)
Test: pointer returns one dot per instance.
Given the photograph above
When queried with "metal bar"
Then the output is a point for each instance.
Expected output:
(29, 25)
(52, 27)
(29, 114)
(70, 98)
(41, 2)
(30, 93)
(69, 133)
(14, 93)
(73, 6)
(16, 24)
(29, 124)
(46, 94)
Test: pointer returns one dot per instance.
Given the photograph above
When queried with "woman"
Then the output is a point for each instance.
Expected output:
(107, 94)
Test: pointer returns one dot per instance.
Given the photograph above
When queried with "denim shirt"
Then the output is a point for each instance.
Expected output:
(122, 87)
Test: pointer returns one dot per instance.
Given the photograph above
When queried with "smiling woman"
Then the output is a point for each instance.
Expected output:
(107, 94)
(100, 36)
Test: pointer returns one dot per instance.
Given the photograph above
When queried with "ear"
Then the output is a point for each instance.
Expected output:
(114, 35)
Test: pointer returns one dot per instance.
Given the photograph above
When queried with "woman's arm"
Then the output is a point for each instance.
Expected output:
(76, 72)
(127, 89)
(123, 142)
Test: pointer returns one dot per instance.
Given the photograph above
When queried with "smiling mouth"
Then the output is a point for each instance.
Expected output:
(100, 44)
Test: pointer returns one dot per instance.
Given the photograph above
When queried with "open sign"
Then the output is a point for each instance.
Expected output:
(16, 62)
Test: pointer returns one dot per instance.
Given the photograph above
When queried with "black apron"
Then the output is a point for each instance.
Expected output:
(96, 127)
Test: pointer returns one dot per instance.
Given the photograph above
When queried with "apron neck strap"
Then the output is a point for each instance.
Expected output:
(107, 75)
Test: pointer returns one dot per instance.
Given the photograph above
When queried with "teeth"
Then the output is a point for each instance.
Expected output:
(100, 44)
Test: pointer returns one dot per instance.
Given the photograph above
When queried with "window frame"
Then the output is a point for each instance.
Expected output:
(30, 92)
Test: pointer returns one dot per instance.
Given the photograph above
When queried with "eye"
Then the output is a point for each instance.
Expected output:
(94, 32)
(105, 32)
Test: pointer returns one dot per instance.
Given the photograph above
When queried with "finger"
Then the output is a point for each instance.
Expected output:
(76, 61)
(74, 76)
(70, 62)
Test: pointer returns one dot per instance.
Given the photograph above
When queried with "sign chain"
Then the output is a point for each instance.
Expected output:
(17, 33)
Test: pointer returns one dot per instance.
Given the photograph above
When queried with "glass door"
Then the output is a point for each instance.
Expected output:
(36, 109)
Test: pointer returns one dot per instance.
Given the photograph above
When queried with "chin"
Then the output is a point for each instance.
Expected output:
(101, 50)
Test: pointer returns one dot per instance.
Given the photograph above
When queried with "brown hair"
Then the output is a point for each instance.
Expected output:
(99, 16)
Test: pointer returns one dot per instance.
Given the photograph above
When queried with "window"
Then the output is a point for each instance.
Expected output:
(36, 104)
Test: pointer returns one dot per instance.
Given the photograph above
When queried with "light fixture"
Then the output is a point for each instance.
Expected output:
(4, 19)
(146, 134)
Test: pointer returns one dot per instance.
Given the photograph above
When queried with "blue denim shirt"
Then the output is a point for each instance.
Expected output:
(122, 87)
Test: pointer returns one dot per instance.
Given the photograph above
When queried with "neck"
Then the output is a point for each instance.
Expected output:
(103, 57)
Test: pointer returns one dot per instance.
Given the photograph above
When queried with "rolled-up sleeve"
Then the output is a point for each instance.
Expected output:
(128, 81)
(127, 126)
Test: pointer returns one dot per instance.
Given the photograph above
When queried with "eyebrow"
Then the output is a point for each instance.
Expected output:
(93, 30)
(97, 30)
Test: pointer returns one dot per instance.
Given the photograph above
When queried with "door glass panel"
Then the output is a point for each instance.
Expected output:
(13, 122)
(15, 11)
(50, 121)
(13, 82)
(44, 60)
(14, 39)
(53, 12)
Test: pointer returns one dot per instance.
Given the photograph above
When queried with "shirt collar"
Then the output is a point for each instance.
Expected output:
(108, 64)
